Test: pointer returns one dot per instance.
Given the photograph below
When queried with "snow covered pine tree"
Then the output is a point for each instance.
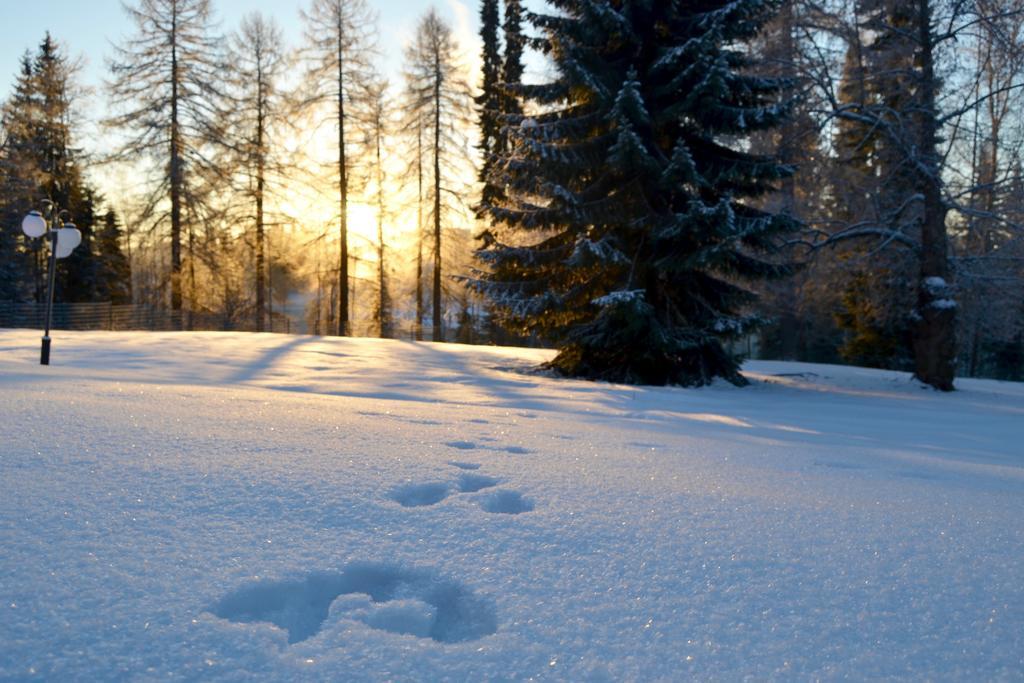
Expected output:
(621, 236)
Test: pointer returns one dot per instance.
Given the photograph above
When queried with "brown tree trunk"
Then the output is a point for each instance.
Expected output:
(383, 322)
(935, 339)
(418, 329)
(261, 302)
(438, 332)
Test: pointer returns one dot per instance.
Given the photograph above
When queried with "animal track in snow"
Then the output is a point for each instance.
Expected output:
(462, 445)
(471, 483)
(419, 495)
(506, 502)
(384, 597)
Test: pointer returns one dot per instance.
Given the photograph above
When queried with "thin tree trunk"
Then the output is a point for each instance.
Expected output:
(191, 275)
(381, 293)
(438, 332)
(175, 171)
(418, 328)
(319, 291)
(343, 302)
(260, 184)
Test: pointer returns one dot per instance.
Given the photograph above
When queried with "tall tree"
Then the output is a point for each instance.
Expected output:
(439, 93)
(59, 164)
(629, 238)
(490, 99)
(338, 58)
(259, 63)
(164, 81)
(935, 333)
(378, 129)
(413, 133)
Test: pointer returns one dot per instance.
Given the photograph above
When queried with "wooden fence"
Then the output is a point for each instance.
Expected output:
(106, 316)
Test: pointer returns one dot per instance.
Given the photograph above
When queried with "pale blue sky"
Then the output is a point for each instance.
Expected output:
(87, 27)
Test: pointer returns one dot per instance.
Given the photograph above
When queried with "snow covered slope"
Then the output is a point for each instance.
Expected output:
(177, 506)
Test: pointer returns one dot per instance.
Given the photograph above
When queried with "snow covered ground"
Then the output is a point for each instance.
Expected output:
(234, 506)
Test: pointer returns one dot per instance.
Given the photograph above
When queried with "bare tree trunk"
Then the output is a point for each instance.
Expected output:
(438, 332)
(319, 292)
(419, 234)
(175, 173)
(382, 295)
(191, 276)
(343, 302)
(260, 185)
(935, 342)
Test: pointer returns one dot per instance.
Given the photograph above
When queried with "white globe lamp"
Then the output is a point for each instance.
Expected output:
(68, 237)
(34, 225)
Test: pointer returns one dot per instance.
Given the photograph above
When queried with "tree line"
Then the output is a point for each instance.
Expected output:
(840, 178)
(215, 131)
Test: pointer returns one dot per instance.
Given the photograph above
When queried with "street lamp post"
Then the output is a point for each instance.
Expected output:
(63, 241)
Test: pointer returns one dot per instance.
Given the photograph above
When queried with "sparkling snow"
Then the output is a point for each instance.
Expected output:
(238, 507)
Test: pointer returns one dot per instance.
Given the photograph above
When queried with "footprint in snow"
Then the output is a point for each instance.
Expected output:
(462, 445)
(420, 495)
(382, 596)
(506, 502)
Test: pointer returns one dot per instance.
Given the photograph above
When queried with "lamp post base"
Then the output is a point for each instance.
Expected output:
(44, 358)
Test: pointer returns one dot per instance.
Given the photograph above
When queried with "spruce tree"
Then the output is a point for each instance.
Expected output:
(41, 162)
(625, 238)
(77, 277)
(490, 98)
(59, 165)
(114, 274)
